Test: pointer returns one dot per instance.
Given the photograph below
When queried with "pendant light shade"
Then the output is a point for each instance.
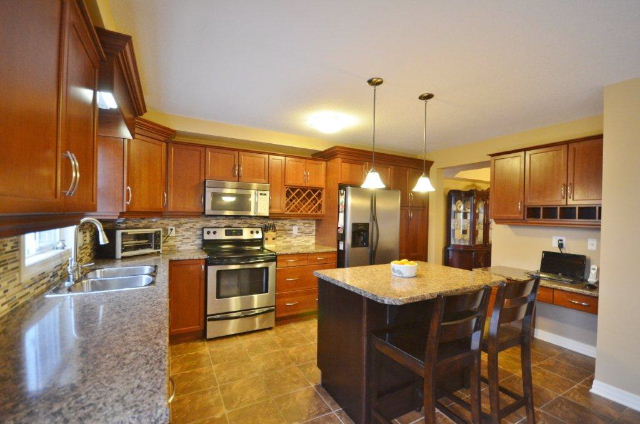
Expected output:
(373, 180)
(423, 185)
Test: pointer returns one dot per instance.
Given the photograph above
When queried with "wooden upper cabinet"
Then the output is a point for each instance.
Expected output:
(185, 178)
(404, 179)
(30, 45)
(253, 167)
(316, 173)
(304, 172)
(81, 61)
(385, 171)
(295, 172)
(546, 176)
(222, 164)
(413, 233)
(507, 186)
(276, 182)
(146, 175)
(111, 160)
(186, 296)
(584, 182)
(352, 172)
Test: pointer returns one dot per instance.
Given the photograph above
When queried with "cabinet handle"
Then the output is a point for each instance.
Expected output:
(77, 163)
(164, 199)
(410, 215)
(292, 260)
(74, 173)
(235, 170)
(291, 279)
(575, 302)
(320, 258)
(291, 303)
(173, 390)
(130, 196)
(562, 191)
(519, 205)
(570, 191)
(202, 200)
(239, 170)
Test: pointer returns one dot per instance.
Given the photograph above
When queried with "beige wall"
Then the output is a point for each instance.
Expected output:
(619, 320)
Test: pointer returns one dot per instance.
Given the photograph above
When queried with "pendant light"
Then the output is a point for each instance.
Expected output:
(423, 185)
(373, 179)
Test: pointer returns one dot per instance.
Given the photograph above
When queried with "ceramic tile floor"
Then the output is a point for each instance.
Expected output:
(270, 377)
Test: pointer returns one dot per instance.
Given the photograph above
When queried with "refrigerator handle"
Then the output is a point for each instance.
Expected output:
(375, 237)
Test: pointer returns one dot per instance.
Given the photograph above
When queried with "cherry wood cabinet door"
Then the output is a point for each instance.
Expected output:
(222, 164)
(253, 167)
(276, 182)
(546, 176)
(146, 175)
(186, 296)
(295, 172)
(400, 182)
(316, 173)
(29, 75)
(415, 199)
(185, 178)
(507, 186)
(352, 172)
(79, 111)
(584, 182)
(413, 233)
(111, 160)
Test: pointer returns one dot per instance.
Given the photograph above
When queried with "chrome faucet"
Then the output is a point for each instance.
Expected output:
(74, 267)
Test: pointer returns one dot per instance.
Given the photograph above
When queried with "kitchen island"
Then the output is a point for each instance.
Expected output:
(353, 302)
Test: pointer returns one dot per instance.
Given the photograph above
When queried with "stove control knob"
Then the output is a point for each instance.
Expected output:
(208, 232)
(215, 232)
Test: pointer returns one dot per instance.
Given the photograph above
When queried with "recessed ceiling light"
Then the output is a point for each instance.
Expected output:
(330, 122)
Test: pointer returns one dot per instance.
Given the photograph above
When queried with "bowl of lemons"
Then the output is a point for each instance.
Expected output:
(404, 268)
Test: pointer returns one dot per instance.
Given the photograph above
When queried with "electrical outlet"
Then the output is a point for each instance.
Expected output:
(592, 244)
(556, 239)
(295, 229)
(171, 231)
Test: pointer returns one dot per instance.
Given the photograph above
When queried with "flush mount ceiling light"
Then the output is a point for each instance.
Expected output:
(423, 185)
(106, 100)
(330, 122)
(373, 179)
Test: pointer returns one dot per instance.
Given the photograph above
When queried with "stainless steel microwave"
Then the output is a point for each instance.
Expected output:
(131, 242)
(234, 198)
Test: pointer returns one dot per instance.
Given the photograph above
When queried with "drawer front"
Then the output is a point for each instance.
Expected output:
(296, 302)
(285, 261)
(323, 258)
(576, 301)
(295, 278)
(545, 294)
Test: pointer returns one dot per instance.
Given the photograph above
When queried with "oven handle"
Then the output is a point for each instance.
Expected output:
(247, 262)
(245, 314)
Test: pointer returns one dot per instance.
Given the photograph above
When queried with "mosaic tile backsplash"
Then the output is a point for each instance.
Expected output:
(14, 291)
(189, 230)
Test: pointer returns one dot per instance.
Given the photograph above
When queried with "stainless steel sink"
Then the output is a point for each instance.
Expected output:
(94, 285)
(123, 271)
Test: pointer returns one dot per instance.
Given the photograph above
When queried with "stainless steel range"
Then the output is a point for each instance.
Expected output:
(241, 281)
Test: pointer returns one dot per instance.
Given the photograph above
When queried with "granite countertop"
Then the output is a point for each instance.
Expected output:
(100, 357)
(289, 249)
(517, 274)
(377, 283)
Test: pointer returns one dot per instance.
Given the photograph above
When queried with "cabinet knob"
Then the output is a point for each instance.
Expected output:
(291, 303)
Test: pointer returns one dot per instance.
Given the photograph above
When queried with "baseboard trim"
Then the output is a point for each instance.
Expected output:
(615, 394)
(565, 342)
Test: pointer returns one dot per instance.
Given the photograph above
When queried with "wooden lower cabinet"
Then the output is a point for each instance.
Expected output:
(468, 257)
(186, 297)
(545, 295)
(296, 286)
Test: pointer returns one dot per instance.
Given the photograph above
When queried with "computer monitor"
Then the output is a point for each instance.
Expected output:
(564, 264)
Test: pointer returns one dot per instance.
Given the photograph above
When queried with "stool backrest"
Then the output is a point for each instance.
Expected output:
(458, 319)
(515, 301)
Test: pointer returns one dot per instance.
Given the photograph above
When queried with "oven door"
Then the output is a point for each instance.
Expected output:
(230, 201)
(240, 287)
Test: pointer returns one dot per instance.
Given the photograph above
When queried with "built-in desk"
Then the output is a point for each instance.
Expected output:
(573, 296)
(353, 302)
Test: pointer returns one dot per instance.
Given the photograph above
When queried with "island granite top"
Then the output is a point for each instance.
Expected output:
(377, 283)
(90, 358)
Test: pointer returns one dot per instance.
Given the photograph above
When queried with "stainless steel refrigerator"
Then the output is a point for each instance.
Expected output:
(368, 226)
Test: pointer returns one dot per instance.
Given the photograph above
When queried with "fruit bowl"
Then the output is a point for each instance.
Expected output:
(404, 268)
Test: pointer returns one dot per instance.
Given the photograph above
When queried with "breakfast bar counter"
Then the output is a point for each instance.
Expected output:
(353, 302)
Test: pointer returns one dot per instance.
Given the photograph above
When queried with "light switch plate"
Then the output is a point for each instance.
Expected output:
(295, 229)
(592, 244)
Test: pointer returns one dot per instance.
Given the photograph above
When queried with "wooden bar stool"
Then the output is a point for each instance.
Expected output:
(511, 324)
(452, 342)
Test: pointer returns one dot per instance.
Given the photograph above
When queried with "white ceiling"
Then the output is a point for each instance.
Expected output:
(496, 67)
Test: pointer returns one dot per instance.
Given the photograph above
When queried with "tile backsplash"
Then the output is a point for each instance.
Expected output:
(189, 230)
(15, 290)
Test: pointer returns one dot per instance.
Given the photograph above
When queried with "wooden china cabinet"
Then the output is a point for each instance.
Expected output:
(468, 243)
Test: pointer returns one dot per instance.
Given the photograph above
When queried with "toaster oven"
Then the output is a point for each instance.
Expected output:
(131, 242)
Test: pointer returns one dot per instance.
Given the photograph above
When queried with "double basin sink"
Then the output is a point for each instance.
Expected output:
(109, 279)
